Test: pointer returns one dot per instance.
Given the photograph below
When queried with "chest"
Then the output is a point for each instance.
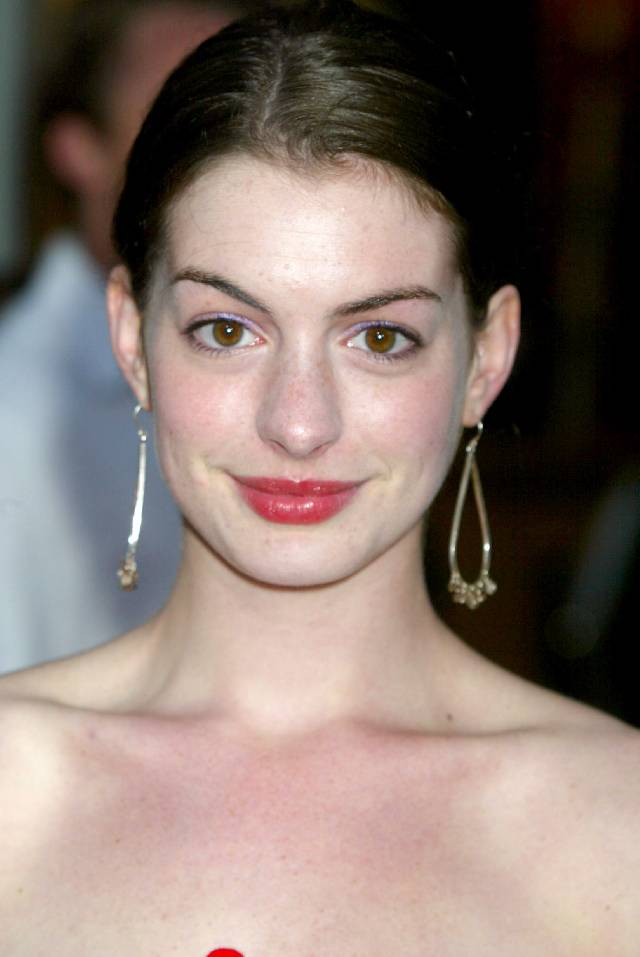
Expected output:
(356, 856)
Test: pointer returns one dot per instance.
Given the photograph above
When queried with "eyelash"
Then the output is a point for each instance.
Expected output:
(220, 351)
(413, 338)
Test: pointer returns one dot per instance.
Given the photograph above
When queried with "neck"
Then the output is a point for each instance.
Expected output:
(288, 659)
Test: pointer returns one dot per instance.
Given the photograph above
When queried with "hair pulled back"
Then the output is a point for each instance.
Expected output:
(316, 86)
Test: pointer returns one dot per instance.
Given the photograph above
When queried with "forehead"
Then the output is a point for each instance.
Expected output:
(355, 223)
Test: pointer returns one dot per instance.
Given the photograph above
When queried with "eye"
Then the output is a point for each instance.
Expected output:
(382, 341)
(221, 333)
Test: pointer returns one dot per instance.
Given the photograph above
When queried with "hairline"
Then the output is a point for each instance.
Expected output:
(425, 198)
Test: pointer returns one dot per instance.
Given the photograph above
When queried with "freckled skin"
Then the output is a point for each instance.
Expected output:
(296, 756)
(302, 404)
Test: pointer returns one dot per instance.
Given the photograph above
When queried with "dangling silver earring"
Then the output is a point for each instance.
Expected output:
(128, 571)
(462, 592)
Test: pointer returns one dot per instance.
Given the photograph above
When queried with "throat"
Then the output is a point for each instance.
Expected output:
(279, 658)
(296, 679)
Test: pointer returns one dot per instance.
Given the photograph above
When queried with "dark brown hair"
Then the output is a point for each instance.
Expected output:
(318, 85)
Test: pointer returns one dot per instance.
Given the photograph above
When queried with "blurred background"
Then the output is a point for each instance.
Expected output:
(560, 458)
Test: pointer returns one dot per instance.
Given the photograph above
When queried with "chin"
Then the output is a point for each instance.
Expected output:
(294, 564)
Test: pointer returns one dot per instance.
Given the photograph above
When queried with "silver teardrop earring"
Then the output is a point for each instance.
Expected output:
(462, 592)
(128, 571)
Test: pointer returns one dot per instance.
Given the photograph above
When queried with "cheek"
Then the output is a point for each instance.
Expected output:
(412, 422)
(197, 413)
(403, 426)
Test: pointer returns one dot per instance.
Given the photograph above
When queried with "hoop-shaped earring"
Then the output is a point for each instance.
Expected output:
(462, 592)
(128, 570)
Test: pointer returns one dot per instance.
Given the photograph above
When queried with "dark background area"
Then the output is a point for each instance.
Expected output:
(559, 460)
(561, 463)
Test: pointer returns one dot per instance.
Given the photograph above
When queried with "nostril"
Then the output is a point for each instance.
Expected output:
(300, 414)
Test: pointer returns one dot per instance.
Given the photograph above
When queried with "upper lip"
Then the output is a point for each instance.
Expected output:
(301, 487)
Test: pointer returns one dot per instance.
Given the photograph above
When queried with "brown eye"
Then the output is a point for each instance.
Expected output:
(226, 332)
(380, 338)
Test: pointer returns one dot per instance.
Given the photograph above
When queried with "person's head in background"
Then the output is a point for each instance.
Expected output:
(111, 62)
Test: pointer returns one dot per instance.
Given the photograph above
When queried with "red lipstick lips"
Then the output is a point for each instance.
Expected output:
(295, 503)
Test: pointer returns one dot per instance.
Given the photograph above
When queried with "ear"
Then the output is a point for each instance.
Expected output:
(495, 350)
(125, 326)
(76, 154)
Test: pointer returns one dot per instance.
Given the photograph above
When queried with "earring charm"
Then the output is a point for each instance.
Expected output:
(462, 592)
(128, 570)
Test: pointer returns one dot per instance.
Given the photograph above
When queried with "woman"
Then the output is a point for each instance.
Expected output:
(296, 756)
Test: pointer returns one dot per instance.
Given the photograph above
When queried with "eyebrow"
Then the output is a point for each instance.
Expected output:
(377, 301)
(221, 284)
(384, 298)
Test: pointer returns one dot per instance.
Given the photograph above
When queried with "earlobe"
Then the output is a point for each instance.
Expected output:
(495, 351)
(125, 326)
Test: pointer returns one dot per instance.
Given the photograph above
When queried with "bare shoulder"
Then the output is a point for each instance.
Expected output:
(46, 718)
(94, 680)
(31, 775)
(38, 706)
(28, 703)
(42, 710)
(588, 761)
(566, 792)
(577, 793)
(598, 760)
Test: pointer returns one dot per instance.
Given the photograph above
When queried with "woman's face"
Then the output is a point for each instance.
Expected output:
(304, 329)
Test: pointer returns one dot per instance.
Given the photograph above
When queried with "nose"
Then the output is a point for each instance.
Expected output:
(299, 413)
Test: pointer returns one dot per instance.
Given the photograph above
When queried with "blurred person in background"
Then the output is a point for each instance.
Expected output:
(67, 451)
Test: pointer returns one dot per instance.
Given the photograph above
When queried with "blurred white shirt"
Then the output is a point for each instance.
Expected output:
(68, 463)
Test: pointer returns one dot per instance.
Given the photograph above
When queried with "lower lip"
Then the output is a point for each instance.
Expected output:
(306, 507)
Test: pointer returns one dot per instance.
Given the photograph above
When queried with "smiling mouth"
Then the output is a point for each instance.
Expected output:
(288, 502)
